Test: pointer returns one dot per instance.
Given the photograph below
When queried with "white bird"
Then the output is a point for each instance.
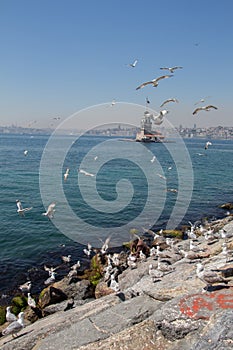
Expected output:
(171, 69)
(154, 273)
(105, 245)
(50, 269)
(88, 250)
(204, 108)
(158, 119)
(31, 301)
(20, 208)
(169, 100)
(113, 103)
(164, 267)
(50, 211)
(225, 235)
(66, 259)
(76, 266)
(133, 65)
(154, 82)
(96, 157)
(114, 284)
(25, 152)
(85, 173)
(208, 143)
(15, 326)
(51, 279)
(10, 317)
(66, 174)
(153, 159)
(208, 277)
(162, 177)
(201, 100)
(26, 287)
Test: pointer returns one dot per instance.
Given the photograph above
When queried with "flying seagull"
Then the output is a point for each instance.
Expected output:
(208, 143)
(25, 288)
(154, 82)
(133, 65)
(25, 152)
(50, 211)
(201, 100)
(15, 326)
(205, 108)
(159, 118)
(171, 69)
(85, 173)
(66, 174)
(20, 208)
(169, 100)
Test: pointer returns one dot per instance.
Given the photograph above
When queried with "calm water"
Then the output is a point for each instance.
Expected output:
(30, 241)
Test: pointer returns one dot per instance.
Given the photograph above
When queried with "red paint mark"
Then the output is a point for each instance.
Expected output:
(202, 305)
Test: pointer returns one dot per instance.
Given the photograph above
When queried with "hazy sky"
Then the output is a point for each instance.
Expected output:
(60, 56)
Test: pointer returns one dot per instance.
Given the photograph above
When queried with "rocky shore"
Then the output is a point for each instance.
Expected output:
(146, 297)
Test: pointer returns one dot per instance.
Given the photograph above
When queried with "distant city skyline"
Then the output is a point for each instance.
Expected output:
(59, 57)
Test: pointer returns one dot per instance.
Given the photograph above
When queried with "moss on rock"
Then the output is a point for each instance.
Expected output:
(2, 315)
(19, 303)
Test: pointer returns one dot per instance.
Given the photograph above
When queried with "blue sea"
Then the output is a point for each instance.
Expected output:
(129, 189)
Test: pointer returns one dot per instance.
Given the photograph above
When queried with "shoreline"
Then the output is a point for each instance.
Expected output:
(38, 275)
(140, 298)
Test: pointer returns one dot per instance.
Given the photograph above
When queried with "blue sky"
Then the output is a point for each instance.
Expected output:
(58, 57)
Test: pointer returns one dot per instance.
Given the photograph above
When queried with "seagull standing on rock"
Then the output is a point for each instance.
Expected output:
(10, 317)
(208, 277)
(15, 326)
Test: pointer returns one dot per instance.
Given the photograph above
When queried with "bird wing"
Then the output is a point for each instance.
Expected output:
(144, 84)
(19, 205)
(176, 67)
(197, 110)
(51, 208)
(210, 106)
(163, 77)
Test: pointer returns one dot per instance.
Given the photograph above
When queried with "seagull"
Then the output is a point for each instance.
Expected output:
(10, 317)
(113, 103)
(85, 173)
(154, 82)
(133, 65)
(26, 287)
(162, 177)
(159, 118)
(31, 301)
(76, 266)
(155, 274)
(88, 250)
(169, 100)
(208, 143)
(50, 211)
(15, 326)
(114, 284)
(20, 209)
(50, 269)
(202, 100)
(66, 259)
(204, 108)
(51, 279)
(174, 190)
(153, 159)
(171, 69)
(96, 157)
(208, 277)
(25, 152)
(66, 174)
(105, 246)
